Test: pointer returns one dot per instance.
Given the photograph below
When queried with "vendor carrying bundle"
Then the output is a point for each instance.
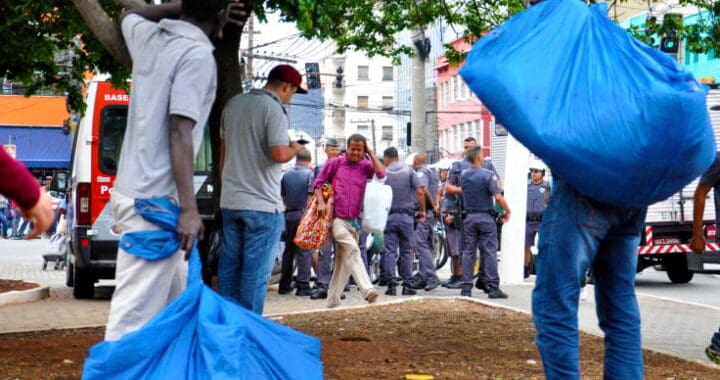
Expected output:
(618, 120)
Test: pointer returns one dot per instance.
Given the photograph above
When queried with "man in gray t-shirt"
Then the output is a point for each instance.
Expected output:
(174, 79)
(255, 142)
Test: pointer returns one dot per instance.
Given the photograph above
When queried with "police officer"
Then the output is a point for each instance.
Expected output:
(325, 254)
(538, 194)
(293, 187)
(453, 208)
(424, 230)
(399, 231)
(479, 188)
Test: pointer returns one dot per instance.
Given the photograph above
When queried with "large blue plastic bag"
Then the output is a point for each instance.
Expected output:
(620, 121)
(201, 335)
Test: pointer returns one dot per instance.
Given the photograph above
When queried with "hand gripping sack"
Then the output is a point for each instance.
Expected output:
(314, 230)
(376, 206)
(618, 120)
(201, 335)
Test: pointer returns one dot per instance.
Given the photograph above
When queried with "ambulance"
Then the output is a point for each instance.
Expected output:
(92, 233)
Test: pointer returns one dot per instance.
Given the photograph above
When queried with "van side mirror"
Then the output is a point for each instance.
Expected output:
(59, 182)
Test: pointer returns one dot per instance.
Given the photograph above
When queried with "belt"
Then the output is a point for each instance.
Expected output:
(471, 211)
(294, 209)
(406, 211)
(534, 218)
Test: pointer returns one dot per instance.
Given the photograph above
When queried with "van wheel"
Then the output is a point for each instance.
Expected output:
(677, 270)
(84, 283)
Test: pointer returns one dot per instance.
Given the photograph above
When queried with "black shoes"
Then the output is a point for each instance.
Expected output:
(453, 283)
(285, 290)
(496, 293)
(304, 292)
(432, 284)
(466, 293)
(391, 291)
(408, 291)
(527, 271)
(713, 354)
(319, 294)
(480, 284)
(419, 284)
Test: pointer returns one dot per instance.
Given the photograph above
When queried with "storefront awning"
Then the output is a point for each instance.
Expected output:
(46, 148)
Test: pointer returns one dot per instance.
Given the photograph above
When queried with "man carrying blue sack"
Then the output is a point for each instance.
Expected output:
(173, 89)
(577, 234)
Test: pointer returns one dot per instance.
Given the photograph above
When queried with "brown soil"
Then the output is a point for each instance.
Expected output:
(10, 285)
(444, 338)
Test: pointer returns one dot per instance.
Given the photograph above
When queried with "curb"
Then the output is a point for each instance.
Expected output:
(23, 296)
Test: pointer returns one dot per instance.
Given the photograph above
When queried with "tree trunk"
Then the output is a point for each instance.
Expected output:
(229, 84)
(105, 29)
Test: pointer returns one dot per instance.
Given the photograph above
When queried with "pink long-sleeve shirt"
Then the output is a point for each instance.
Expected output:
(16, 182)
(349, 181)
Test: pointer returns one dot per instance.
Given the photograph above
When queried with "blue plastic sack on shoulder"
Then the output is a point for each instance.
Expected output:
(201, 335)
(618, 120)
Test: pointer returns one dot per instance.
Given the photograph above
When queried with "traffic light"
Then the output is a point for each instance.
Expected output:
(339, 77)
(670, 42)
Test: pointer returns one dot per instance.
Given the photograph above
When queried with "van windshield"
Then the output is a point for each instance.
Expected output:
(112, 130)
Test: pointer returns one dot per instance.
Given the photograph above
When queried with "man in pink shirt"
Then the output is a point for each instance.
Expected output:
(348, 175)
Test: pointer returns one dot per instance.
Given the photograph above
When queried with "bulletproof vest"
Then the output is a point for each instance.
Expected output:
(294, 187)
(476, 192)
(431, 180)
(536, 197)
(399, 177)
(456, 202)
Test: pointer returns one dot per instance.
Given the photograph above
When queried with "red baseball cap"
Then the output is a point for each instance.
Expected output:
(287, 73)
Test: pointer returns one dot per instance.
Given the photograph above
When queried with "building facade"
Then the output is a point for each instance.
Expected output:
(360, 98)
(460, 113)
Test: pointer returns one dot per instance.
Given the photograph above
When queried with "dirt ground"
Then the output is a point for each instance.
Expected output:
(10, 285)
(443, 338)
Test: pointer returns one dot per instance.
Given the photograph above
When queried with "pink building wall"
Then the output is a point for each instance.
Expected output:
(460, 113)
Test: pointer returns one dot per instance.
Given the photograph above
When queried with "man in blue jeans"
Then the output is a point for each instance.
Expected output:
(577, 234)
(255, 142)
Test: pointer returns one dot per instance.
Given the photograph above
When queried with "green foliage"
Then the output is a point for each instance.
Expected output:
(35, 31)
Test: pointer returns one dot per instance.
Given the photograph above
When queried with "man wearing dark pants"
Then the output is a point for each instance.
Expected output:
(479, 188)
(325, 254)
(293, 186)
(424, 230)
(399, 231)
(538, 194)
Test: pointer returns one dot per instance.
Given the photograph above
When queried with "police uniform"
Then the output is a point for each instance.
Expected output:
(479, 229)
(454, 205)
(536, 203)
(424, 230)
(325, 254)
(399, 231)
(293, 188)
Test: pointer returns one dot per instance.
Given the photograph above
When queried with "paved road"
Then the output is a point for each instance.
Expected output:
(677, 319)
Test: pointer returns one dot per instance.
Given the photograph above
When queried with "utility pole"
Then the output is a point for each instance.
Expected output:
(249, 58)
(417, 114)
(372, 128)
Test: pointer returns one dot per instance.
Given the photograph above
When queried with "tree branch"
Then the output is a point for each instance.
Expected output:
(105, 29)
(130, 4)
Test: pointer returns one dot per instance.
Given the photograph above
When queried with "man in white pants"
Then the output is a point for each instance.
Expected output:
(174, 80)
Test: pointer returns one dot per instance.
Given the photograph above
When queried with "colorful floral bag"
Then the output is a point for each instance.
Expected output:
(314, 230)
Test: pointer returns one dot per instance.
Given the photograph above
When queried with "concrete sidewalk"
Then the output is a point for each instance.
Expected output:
(676, 328)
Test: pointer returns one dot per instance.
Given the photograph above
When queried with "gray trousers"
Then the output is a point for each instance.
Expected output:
(455, 239)
(294, 254)
(399, 235)
(325, 264)
(480, 231)
(424, 247)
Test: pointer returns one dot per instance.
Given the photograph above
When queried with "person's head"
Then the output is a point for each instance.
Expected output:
(209, 15)
(390, 155)
(332, 148)
(284, 81)
(419, 160)
(474, 155)
(537, 172)
(356, 147)
(469, 143)
(443, 174)
(303, 157)
(48, 181)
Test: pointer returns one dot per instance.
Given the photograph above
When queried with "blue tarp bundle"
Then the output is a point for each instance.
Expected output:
(620, 121)
(201, 335)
